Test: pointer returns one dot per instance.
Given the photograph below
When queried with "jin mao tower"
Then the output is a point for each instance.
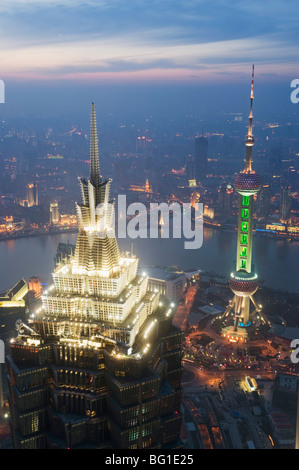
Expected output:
(100, 364)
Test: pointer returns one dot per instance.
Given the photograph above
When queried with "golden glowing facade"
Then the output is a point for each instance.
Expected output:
(142, 189)
(15, 297)
(98, 284)
(54, 213)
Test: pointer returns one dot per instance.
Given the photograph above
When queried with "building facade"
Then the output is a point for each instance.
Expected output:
(263, 202)
(285, 203)
(201, 158)
(54, 213)
(99, 365)
(225, 201)
(32, 194)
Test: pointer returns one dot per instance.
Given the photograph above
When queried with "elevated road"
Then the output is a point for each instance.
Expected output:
(184, 308)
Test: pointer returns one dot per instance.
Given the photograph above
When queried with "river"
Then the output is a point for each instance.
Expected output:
(276, 261)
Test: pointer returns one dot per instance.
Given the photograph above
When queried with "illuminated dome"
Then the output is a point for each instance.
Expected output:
(243, 284)
(249, 142)
(247, 183)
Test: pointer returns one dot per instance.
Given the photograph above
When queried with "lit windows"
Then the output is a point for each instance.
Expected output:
(244, 226)
(245, 213)
(243, 252)
(243, 264)
(244, 239)
(245, 201)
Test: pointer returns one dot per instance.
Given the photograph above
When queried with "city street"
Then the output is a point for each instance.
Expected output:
(210, 378)
(208, 330)
(228, 392)
(181, 317)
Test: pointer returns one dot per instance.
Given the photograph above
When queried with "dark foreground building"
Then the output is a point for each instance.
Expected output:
(99, 366)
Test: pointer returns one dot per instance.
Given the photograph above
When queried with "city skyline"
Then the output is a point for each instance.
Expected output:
(116, 335)
(206, 356)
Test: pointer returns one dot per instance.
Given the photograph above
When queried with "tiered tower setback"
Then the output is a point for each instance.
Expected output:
(98, 284)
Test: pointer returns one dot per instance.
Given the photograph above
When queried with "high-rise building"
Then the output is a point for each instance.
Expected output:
(190, 170)
(141, 143)
(275, 160)
(35, 192)
(244, 280)
(54, 213)
(263, 202)
(31, 195)
(209, 211)
(99, 366)
(34, 285)
(225, 200)
(285, 203)
(201, 158)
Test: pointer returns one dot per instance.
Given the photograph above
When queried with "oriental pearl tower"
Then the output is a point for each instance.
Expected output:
(243, 279)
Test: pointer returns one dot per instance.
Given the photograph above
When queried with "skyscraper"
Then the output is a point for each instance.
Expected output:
(54, 213)
(264, 202)
(31, 195)
(285, 203)
(190, 170)
(100, 364)
(243, 281)
(275, 160)
(201, 158)
(225, 200)
(34, 285)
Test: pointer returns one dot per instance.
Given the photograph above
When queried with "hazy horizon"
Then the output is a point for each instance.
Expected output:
(127, 101)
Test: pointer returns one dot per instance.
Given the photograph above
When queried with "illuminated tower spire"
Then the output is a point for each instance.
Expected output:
(243, 282)
(249, 142)
(95, 176)
(97, 248)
